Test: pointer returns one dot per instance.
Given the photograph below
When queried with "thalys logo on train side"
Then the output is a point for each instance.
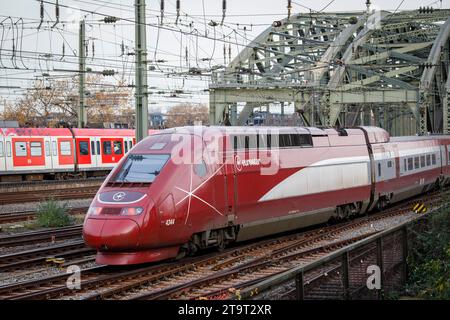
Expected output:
(239, 164)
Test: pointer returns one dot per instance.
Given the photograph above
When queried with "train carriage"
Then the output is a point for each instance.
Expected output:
(38, 153)
(153, 206)
(34, 151)
(100, 149)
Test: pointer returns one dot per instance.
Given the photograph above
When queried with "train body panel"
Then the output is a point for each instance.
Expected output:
(2, 153)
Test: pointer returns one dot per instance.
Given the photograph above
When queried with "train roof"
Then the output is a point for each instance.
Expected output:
(375, 134)
(63, 132)
(103, 132)
(35, 132)
(420, 138)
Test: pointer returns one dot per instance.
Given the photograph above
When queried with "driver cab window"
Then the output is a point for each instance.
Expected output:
(200, 169)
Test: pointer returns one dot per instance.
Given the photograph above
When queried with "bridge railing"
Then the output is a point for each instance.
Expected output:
(371, 268)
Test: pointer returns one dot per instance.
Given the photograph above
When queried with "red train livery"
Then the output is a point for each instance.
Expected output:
(37, 153)
(153, 207)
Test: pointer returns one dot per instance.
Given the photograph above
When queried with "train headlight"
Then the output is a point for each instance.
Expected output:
(131, 211)
(94, 211)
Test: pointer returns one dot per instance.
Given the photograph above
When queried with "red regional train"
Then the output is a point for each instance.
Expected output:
(38, 153)
(153, 206)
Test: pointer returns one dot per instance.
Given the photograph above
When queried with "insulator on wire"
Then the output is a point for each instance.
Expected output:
(108, 72)
(225, 54)
(224, 11)
(122, 49)
(289, 7)
(229, 52)
(42, 14)
(162, 11)
(56, 13)
(178, 11)
(110, 19)
(93, 49)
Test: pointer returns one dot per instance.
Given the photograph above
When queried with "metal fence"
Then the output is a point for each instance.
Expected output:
(372, 268)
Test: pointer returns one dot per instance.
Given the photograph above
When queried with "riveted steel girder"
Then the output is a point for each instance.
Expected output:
(332, 64)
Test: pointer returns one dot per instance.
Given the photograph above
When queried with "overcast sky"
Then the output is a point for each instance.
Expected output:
(171, 47)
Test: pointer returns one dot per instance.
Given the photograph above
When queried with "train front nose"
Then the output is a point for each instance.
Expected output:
(113, 220)
(111, 234)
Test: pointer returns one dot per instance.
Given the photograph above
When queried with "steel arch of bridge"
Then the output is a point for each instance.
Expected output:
(344, 69)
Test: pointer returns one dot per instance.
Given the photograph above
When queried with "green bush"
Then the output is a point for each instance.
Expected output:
(52, 214)
(429, 262)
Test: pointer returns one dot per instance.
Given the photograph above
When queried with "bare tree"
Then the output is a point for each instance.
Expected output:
(50, 103)
(187, 114)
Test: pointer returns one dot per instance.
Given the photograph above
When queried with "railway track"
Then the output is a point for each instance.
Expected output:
(41, 236)
(213, 276)
(11, 193)
(59, 194)
(37, 185)
(38, 257)
(31, 215)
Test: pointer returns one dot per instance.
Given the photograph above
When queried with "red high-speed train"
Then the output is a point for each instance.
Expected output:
(188, 188)
(56, 153)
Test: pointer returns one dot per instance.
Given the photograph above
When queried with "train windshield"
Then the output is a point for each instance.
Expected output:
(141, 168)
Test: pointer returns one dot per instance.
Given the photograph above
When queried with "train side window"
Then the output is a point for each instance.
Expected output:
(55, 149)
(301, 140)
(47, 149)
(433, 159)
(8, 149)
(389, 164)
(21, 149)
(448, 157)
(250, 142)
(416, 162)
(118, 147)
(93, 148)
(262, 141)
(422, 161)
(98, 147)
(1, 148)
(36, 149)
(200, 169)
(130, 143)
(84, 148)
(428, 160)
(235, 143)
(126, 146)
(269, 141)
(285, 140)
(64, 147)
(107, 147)
(405, 165)
(410, 164)
(379, 169)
